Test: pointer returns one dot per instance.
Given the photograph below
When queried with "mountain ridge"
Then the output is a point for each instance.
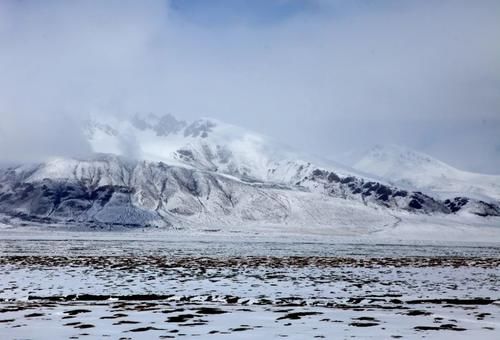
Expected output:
(415, 170)
(206, 173)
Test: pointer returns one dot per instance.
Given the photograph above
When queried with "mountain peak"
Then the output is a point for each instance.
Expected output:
(413, 169)
(161, 125)
(398, 153)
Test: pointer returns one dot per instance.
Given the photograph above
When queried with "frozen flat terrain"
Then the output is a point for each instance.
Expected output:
(90, 286)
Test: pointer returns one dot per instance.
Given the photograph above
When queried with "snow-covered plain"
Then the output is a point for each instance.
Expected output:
(140, 286)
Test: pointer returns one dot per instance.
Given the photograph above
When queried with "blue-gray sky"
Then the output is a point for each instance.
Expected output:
(325, 76)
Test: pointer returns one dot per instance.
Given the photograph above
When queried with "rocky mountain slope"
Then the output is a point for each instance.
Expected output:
(112, 191)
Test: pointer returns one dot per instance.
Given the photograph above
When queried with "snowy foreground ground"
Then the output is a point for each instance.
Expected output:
(206, 286)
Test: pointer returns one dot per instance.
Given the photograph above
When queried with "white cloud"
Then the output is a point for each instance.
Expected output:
(323, 80)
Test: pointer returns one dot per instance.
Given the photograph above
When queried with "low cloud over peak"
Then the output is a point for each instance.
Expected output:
(324, 76)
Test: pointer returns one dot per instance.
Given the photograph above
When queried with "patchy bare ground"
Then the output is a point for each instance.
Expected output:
(245, 296)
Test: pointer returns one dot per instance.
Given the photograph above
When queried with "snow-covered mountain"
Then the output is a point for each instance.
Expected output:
(157, 170)
(417, 171)
(214, 146)
(109, 190)
(205, 144)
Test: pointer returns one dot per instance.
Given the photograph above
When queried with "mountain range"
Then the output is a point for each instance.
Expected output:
(158, 171)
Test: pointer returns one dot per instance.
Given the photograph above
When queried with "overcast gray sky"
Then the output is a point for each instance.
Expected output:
(322, 76)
